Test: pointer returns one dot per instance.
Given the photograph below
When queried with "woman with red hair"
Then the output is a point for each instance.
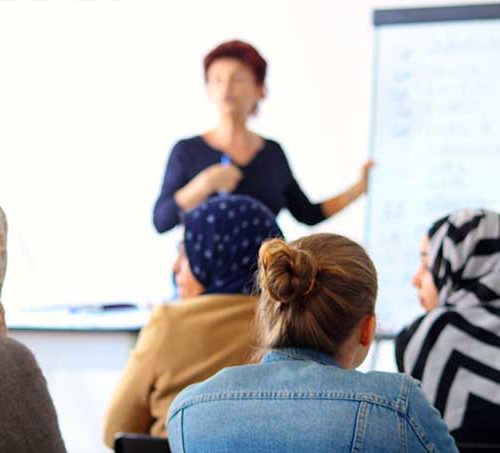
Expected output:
(232, 158)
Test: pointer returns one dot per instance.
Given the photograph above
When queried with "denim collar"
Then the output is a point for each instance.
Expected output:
(277, 355)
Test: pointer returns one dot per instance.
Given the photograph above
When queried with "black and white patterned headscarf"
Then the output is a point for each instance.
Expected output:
(464, 257)
(454, 350)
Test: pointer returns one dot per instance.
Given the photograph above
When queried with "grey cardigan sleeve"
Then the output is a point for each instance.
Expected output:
(28, 419)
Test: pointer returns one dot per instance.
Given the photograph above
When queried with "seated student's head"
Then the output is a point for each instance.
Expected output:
(459, 260)
(319, 293)
(221, 241)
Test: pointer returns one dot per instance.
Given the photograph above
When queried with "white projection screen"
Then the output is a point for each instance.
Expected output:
(435, 136)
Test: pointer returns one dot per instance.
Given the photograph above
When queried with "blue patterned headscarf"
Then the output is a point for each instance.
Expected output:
(222, 238)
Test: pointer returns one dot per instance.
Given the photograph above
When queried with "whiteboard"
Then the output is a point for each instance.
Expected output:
(435, 136)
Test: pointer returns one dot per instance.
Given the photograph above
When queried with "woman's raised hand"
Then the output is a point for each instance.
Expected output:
(222, 177)
(365, 173)
(213, 179)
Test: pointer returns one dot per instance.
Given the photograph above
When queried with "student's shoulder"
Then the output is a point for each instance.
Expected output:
(431, 322)
(197, 310)
(173, 313)
(163, 314)
(394, 388)
(9, 345)
(406, 397)
(16, 354)
(229, 382)
(435, 321)
(405, 335)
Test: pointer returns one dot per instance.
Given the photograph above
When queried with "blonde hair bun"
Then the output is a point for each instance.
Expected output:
(314, 292)
(287, 273)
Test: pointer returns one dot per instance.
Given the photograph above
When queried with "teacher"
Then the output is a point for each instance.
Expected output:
(232, 158)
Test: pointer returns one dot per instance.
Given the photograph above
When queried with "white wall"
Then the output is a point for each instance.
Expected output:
(94, 94)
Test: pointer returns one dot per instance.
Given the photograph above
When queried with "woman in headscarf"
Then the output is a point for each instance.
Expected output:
(454, 350)
(210, 328)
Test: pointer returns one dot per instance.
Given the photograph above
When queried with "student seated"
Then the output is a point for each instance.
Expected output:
(3, 257)
(28, 420)
(454, 350)
(316, 317)
(210, 327)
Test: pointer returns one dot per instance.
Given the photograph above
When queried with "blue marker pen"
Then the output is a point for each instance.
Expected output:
(224, 160)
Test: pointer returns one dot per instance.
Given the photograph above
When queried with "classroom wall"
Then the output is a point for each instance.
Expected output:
(94, 95)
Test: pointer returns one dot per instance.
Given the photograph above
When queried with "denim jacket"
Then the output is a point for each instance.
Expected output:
(299, 400)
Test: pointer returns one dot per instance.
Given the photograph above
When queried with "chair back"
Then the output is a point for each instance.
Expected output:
(477, 447)
(140, 443)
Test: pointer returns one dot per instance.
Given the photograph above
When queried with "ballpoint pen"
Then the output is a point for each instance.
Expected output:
(224, 160)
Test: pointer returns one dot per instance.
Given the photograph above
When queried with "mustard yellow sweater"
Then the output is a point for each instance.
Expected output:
(182, 344)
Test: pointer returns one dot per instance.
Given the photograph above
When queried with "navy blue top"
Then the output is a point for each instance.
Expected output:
(267, 178)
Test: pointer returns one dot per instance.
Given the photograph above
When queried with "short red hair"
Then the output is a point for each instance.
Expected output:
(241, 51)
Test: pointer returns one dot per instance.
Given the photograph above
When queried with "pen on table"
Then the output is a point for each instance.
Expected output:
(102, 307)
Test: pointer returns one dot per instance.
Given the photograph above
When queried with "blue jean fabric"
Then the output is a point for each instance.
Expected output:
(298, 400)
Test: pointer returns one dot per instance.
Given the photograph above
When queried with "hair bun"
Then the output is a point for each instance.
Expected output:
(287, 273)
